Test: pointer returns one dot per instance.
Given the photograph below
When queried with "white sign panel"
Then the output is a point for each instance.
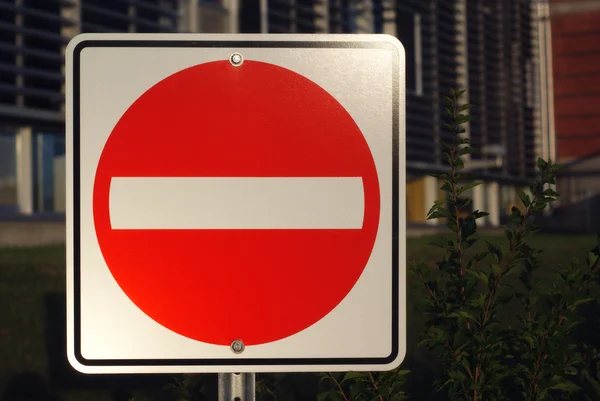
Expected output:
(235, 203)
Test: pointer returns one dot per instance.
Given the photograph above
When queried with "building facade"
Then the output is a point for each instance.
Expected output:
(495, 48)
(576, 62)
(33, 38)
(576, 79)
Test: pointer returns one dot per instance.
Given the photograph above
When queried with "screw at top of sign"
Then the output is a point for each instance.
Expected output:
(237, 346)
(236, 59)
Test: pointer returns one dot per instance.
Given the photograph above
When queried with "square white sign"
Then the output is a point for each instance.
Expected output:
(235, 203)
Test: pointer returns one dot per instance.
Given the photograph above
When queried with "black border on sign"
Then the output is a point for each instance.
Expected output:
(234, 44)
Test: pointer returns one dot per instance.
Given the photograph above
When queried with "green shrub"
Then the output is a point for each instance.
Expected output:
(471, 295)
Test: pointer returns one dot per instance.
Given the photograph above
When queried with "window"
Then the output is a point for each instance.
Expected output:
(342, 14)
(251, 18)
(8, 173)
(49, 173)
(214, 18)
(529, 84)
(408, 26)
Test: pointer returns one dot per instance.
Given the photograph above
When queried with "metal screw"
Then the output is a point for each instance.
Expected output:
(236, 59)
(237, 346)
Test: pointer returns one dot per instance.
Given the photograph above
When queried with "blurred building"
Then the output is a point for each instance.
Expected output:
(576, 55)
(495, 48)
(576, 64)
(33, 37)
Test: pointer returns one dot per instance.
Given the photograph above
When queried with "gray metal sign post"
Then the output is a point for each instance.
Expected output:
(237, 387)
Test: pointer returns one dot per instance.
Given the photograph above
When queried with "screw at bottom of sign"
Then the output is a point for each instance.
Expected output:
(238, 346)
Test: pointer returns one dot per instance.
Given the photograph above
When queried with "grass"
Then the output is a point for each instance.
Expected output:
(33, 333)
(27, 277)
(32, 325)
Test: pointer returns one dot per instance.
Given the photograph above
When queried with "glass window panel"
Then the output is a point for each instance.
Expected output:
(50, 173)
(406, 34)
(8, 172)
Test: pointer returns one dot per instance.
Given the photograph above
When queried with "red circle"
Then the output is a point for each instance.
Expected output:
(256, 120)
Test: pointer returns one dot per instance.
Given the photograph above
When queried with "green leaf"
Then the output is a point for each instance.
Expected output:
(463, 203)
(445, 145)
(468, 186)
(509, 233)
(448, 158)
(480, 275)
(549, 192)
(524, 198)
(479, 300)
(530, 340)
(565, 386)
(436, 205)
(494, 250)
(496, 269)
(592, 258)
(466, 150)
(463, 314)
(516, 215)
(593, 382)
(451, 224)
(581, 302)
(353, 376)
(328, 395)
(542, 164)
(477, 214)
(465, 107)
(441, 213)
(462, 118)
(442, 176)
(446, 187)
(446, 383)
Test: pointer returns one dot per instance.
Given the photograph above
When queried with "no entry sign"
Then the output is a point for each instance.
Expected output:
(236, 203)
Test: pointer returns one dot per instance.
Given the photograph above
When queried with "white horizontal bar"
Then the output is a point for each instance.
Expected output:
(236, 203)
